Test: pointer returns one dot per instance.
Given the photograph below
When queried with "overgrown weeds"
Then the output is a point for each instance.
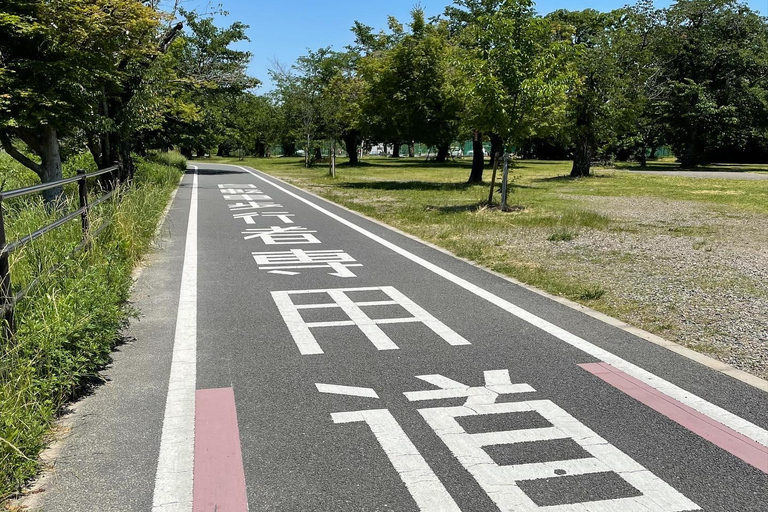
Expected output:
(68, 324)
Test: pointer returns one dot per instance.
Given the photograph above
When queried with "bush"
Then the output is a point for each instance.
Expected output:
(172, 159)
(68, 325)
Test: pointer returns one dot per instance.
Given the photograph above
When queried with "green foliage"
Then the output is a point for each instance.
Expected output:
(170, 159)
(516, 73)
(715, 88)
(68, 326)
(561, 236)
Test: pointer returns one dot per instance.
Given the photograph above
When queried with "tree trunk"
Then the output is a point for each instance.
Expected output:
(200, 152)
(411, 149)
(44, 142)
(396, 150)
(318, 154)
(643, 155)
(260, 149)
(350, 143)
(582, 159)
(496, 148)
(476, 175)
(50, 161)
(126, 166)
(442, 153)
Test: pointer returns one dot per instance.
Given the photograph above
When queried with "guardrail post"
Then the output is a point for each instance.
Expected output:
(82, 189)
(6, 300)
(116, 175)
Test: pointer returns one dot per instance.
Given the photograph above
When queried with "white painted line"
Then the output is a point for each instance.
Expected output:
(335, 389)
(500, 481)
(717, 413)
(426, 489)
(379, 339)
(425, 317)
(304, 339)
(175, 464)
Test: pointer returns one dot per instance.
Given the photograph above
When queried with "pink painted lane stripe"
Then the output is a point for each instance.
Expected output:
(726, 438)
(219, 481)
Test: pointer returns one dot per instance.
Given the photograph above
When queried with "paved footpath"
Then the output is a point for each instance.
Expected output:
(294, 356)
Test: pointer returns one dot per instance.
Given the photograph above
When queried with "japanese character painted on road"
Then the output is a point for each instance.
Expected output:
(340, 299)
(509, 484)
(288, 262)
(249, 217)
(239, 188)
(252, 205)
(276, 235)
(235, 192)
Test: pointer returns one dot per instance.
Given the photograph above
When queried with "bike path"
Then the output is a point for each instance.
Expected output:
(339, 365)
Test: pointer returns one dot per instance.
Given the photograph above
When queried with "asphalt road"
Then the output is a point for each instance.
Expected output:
(294, 356)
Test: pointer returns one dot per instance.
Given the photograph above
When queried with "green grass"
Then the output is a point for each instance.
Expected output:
(67, 327)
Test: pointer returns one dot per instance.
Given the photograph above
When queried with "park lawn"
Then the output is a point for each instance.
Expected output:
(614, 241)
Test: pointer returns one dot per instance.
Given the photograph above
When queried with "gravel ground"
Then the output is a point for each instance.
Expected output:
(680, 269)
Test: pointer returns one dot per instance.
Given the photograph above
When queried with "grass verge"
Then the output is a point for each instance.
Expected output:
(69, 324)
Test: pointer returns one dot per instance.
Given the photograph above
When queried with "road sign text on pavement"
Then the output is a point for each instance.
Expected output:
(287, 262)
(339, 298)
(507, 484)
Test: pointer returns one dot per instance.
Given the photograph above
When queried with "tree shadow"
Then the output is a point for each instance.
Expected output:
(568, 178)
(214, 172)
(406, 185)
(459, 208)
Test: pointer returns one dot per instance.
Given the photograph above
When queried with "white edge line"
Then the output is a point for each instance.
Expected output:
(727, 418)
(175, 464)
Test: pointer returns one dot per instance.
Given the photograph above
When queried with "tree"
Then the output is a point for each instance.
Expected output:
(254, 123)
(598, 107)
(413, 87)
(56, 77)
(715, 77)
(213, 76)
(515, 72)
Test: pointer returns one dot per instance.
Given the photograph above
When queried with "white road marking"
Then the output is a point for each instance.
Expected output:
(298, 259)
(426, 489)
(499, 482)
(306, 342)
(335, 389)
(497, 383)
(175, 464)
(276, 235)
(246, 197)
(252, 206)
(717, 413)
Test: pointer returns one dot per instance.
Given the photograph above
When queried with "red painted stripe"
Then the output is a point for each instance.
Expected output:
(728, 439)
(219, 482)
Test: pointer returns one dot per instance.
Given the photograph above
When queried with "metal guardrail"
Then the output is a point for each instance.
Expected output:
(8, 300)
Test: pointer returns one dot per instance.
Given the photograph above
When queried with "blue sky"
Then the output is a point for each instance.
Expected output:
(283, 30)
